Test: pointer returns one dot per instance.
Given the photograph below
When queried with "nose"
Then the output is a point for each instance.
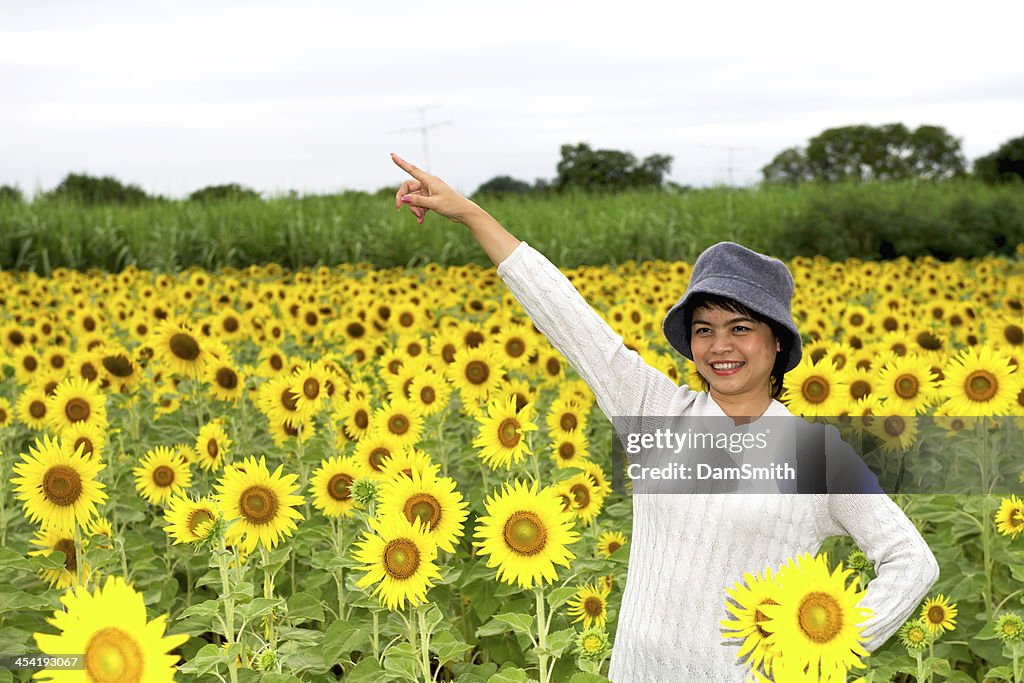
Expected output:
(720, 344)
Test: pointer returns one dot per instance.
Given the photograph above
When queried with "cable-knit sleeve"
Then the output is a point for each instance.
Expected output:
(624, 384)
(905, 567)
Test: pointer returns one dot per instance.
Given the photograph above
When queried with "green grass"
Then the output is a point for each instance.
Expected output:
(947, 219)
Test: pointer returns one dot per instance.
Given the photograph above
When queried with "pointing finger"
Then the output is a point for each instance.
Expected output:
(416, 173)
(407, 187)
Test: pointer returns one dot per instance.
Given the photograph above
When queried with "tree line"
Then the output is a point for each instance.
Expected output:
(859, 153)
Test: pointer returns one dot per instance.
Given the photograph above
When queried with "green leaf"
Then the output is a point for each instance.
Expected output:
(258, 608)
(279, 678)
(467, 672)
(203, 610)
(14, 561)
(520, 623)
(12, 599)
(560, 596)
(366, 671)
(560, 640)
(206, 660)
(304, 607)
(1003, 673)
(433, 617)
(401, 659)
(938, 665)
(341, 640)
(584, 677)
(448, 648)
(509, 676)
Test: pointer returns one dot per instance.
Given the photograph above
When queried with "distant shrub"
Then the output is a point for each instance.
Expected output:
(90, 190)
(503, 185)
(11, 194)
(1006, 164)
(219, 193)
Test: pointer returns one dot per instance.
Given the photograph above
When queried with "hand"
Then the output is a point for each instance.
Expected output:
(426, 192)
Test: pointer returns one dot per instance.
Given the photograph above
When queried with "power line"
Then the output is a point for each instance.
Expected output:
(422, 128)
(731, 149)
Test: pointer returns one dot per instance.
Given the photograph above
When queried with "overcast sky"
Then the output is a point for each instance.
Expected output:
(307, 95)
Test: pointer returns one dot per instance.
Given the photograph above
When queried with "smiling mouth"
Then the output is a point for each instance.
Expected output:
(724, 367)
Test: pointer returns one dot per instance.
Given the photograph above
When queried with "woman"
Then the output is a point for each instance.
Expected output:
(735, 323)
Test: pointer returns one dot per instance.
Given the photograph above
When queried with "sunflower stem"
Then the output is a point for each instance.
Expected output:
(268, 592)
(920, 666)
(376, 635)
(229, 606)
(1016, 663)
(421, 614)
(79, 554)
(542, 636)
(339, 575)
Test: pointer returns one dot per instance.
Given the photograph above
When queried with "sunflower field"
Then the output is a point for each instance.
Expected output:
(278, 475)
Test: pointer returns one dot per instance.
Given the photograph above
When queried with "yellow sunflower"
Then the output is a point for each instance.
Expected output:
(907, 384)
(54, 539)
(429, 500)
(226, 382)
(309, 389)
(108, 627)
(374, 450)
(1010, 516)
(570, 449)
(179, 348)
(399, 418)
(76, 401)
(748, 598)
(212, 445)
(263, 504)
(430, 392)
(566, 415)
(6, 415)
(331, 485)
(817, 622)
(31, 408)
(277, 401)
(400, 558)
(586, 497)
(938, 615)
(813, 389)
(407, 461)
(476, 373)
(525, 533)
(610, 541)
(89, 437)
(354, 414)
(502, 434)
(980, 382)
(589, 605)
(161, 474)
(58, 487)
(188, 520)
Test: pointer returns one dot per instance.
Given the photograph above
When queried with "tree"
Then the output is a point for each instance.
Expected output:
(503, 185)
(217, 193)
(12, 194)
(889, 152)
(86, 189)
(1006, 164)
(605, 170)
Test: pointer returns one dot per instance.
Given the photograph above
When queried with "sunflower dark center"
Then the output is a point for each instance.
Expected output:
(198, 518)
(981, 385)
(401, 558)
(118, 365)
(477, 372)
(928, 341)
(906, 386)
(568, 422)
(936, 614)
(594, 607)
(230, 324)
(406, 320)
(163, 476)
(508, 432)
(820, 617)
(362, 419)
(894, 425)
(355, 330)
(613, 546)
(423, 507)
(339, 487)
(566, 451)
(288, 400)
(226, 378)
(514, 347)
(859, 389)
(581, 494)
(398, 424)
(1013, 334)
(311, 388)
(448, 353)
(474, 339)
(759, 616)
(184, 346)
(427, 395)
(258, 504)
(30, 363)
(62, 485)
(312, 318)
(378, 457)
(553, 367)
(525, 533)
(85, 443)
(113, 656)
(815, 390)
(67, 546)
(37, 409)
(77, 409)
(276, 362)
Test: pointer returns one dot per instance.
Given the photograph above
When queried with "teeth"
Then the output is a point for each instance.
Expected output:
(725, 366)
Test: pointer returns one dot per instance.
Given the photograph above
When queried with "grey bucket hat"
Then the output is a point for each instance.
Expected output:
(761, 283)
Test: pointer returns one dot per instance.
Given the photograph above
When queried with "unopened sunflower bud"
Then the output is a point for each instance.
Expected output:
(1010, 629)
(592, 643)
(857, 561)
(364, 490)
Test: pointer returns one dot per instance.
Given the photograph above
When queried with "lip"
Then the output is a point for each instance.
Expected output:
(726, 373)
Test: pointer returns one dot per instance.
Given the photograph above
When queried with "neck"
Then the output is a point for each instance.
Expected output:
(742, 409)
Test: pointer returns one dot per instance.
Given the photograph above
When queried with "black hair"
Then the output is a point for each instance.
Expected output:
(733, 306)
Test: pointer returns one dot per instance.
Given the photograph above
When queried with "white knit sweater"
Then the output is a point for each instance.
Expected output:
(686, 550)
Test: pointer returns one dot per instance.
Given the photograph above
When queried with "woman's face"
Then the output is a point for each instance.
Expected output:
(734, 352)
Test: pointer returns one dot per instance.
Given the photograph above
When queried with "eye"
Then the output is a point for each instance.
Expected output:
(701, 330)
(741, 328)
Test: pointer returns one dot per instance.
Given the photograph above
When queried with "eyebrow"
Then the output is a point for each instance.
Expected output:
(741, 319)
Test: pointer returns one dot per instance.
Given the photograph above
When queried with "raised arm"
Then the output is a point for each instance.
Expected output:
(624, 384)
